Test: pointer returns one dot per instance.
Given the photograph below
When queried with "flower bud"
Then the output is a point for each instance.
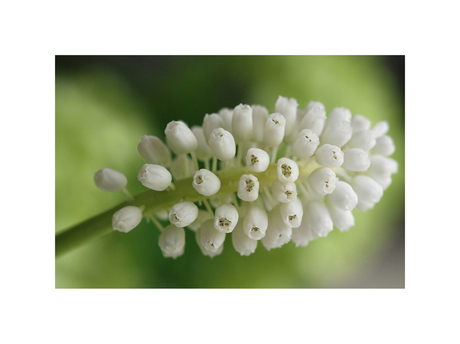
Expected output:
(363, 139)
(257, 160)
(183, 214)
(222, 144)
(203, 250)
(255, 222)
(227, 116)
(203, 151)
(303, 234)
(384, 145)
(288, 108)
(323, 181)
(248, 188)
(284, 192)
(210, 123)
(381, 128)
(242, 125)
(154, 177)
(287, 170)
(211, 238)
(314, 118)
(126, 218)
(305, 144)
(278, 233)
(337, 130)
(172, 241)
(292, 213)
(359, 122)
(274, 130)
(243, 244)
(318, 218)
(343, 197)
(154, 151)
(203, 215)
(206, 183)
(259, 118)
(180, 138)
(381, 169)
(355, 159)
(226, 218)
(368, 190)
(110, 180)
(343, 219)
(329, 156)
(179, 168)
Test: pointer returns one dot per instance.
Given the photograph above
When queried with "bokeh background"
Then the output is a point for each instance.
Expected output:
(105, 104)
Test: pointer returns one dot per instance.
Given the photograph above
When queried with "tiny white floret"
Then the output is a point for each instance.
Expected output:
(226, 218)
(222, 144)
(205, 182)
(248, 188)
(287, 170)
(257, 160)
(126, 218)
(154, 177)
(183, 214)
(180, 138)
(110, 180)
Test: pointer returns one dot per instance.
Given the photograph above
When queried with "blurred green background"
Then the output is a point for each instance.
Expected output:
(105, 104)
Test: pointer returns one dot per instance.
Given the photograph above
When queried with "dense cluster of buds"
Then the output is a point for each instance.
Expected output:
(300, 174)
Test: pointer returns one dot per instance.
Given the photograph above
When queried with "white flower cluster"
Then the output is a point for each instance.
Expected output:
(330, 165)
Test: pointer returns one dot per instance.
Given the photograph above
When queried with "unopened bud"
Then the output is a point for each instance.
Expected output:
(154, 177)
(126, 218)
(110, 180)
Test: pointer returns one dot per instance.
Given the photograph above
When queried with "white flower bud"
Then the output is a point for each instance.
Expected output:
(338, 128)
(318, 218)
(343, 197)
(172, 241)
(303, 234)
(243, 244)
(183, 214)
(384, 145)
(206, 183)
(305, 144)
(278, 233)
(259, 118)
(178, 167)
(323, 181)
(203, 215)
(381, 169)
(202, 248)
(126, 218)
(292, 213)
(248, 188)
(110, 180)
(203, 151)
(287, 170)
(227, 116)
(359, 122)
(242, 125)
(257, 160)
(368, 190)
(284, 192)
(355, 159)
(226, 218)
(154, 151)
(343, 219)
(288, 108)
(154, 177)
(210, 123)
(274, 130)
(222, 144)
(381, 128)
(180, 138)
(363, 139)
(211, 238)
(329, 156)
(255, 222)
(314, 118)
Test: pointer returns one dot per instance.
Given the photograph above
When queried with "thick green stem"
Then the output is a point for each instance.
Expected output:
(153, 201)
